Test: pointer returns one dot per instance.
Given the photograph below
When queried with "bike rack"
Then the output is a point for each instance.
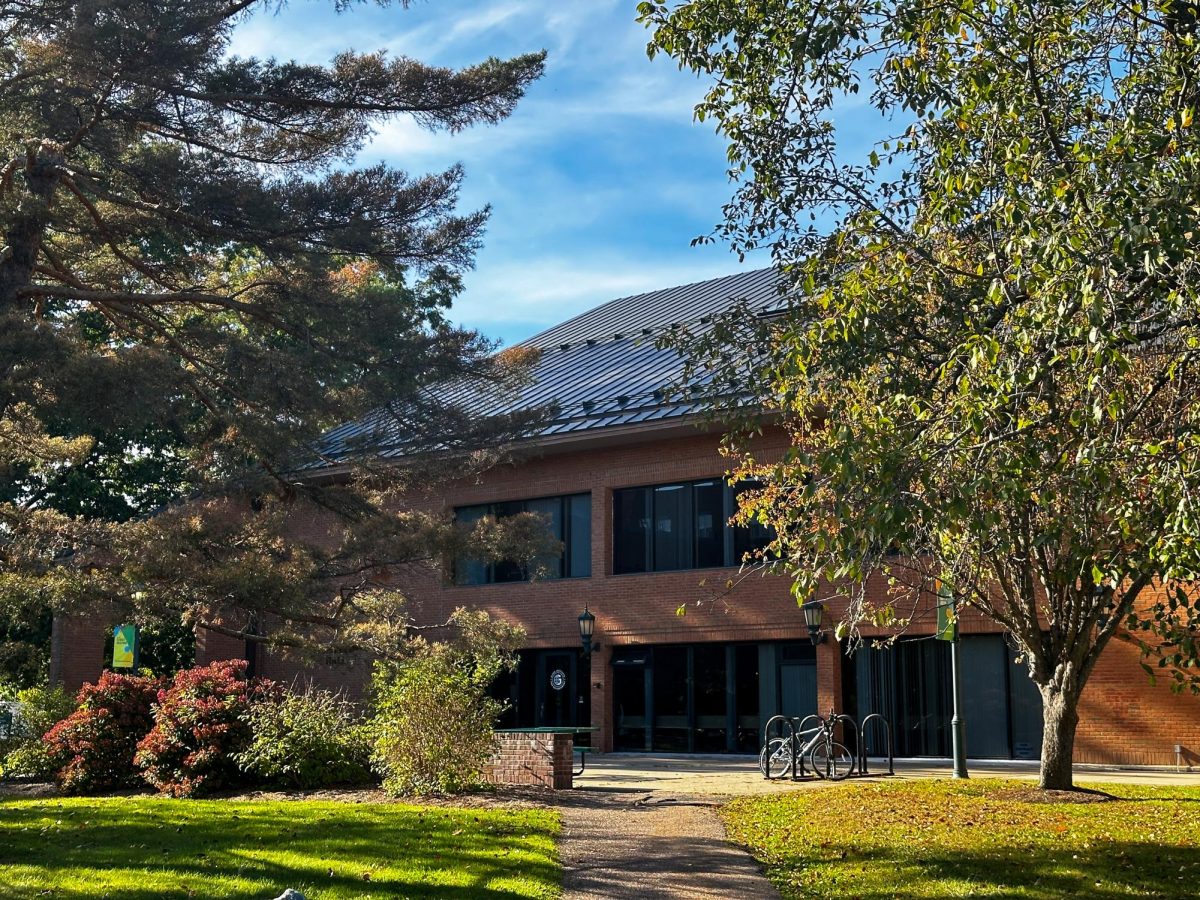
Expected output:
(795, 749)
(845, 719)
(794, 729)
(862, 743)
(791, 737)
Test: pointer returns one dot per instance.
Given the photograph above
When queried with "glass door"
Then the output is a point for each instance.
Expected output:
(557, 700)
(632, 685)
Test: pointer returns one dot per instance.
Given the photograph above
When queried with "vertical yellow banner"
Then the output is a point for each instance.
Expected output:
(124, 646)
(947, 614)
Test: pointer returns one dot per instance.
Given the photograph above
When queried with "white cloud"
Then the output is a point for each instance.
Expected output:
(599, 179)
(490, 17)
(402, 138)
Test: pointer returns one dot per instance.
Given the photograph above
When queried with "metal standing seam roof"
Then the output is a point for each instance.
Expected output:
(601, 368)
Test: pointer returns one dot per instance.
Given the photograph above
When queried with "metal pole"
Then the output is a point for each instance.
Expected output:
(956, 723)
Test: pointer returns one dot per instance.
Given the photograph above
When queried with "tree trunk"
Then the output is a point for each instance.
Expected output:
(1060, 716)
(23, 234)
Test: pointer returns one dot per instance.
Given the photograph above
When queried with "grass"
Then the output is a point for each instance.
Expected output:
(977, 838)
(138, 848)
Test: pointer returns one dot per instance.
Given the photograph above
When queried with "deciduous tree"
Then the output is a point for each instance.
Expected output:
(987, 355)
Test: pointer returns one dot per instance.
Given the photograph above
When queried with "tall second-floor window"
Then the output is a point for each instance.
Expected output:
(680, 526)
(570, 521)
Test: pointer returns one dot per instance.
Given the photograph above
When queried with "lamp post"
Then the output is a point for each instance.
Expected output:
(813, 613)
(587, 627)
(948, 631)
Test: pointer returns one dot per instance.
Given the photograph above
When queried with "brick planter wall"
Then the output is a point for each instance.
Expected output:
(529, 758)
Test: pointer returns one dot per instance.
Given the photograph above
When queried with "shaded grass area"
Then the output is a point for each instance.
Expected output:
(137, 848)
(976, 838)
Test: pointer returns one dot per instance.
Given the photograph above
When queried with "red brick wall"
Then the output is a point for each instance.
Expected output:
(212, 646)
(542, 760)
(1125, 719)
(77, 650)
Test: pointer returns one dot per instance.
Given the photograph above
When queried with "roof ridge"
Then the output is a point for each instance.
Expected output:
(532, 340)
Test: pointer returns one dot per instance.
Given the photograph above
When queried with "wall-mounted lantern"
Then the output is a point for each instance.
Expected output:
(587, 627)
(813, 613)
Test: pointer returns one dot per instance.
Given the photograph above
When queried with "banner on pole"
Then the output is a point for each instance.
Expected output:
(125, 647)
(947, 614)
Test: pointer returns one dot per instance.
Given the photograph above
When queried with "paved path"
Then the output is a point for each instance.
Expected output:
(650, 845)
(726, 776)
(642, 826)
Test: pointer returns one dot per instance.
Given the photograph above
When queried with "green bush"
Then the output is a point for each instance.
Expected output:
(23, 754)
(306, 740)
(434, 721)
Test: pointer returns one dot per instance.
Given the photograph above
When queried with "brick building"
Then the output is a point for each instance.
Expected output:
(634, 488)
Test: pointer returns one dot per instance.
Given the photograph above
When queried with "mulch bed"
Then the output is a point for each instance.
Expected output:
(491, 798)
(1039, 795)
(488, 798)
(27, 790)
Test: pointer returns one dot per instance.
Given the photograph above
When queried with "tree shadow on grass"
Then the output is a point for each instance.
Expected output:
(1108, 869)
(153, 849)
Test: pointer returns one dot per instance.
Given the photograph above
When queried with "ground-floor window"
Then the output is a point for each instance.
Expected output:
(716, 697)
(707, 698)
(910, 684)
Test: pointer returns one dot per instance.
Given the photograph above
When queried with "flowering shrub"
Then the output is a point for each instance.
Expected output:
(307, 740)
(92, 749)
(200, 722)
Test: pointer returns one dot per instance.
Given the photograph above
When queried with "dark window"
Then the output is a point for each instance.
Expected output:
(471, 571)
(672, 527)
(679, 526)
(631, 531)
(672, 699)
(748, 538)
(749, 726)
(909, 683)
(579, 536)
(569, 520)
(710, 523)
(710, 690)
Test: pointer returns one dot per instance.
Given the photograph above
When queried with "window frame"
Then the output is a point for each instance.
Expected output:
(565, 537)
(691, 547)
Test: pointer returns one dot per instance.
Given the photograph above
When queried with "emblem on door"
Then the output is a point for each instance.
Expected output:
(558, 679)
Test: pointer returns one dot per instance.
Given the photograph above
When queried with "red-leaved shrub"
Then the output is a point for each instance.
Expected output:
(199, 723)
(92, 749)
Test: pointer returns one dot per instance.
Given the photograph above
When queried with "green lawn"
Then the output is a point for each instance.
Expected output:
(142, 848)
(977, 838)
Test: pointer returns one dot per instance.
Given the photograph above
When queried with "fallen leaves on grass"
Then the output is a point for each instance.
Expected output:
(981, 838)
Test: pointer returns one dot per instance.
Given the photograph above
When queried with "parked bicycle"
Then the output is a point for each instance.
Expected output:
(827, 757)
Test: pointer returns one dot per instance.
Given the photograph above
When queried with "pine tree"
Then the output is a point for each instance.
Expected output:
(195, 281)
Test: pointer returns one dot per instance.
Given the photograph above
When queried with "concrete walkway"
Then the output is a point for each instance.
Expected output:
(726, 776)
(620, 844)
(642, 826)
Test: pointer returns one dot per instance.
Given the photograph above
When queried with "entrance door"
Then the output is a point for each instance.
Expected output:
(797, 674)
(633, 685)
(557, 689)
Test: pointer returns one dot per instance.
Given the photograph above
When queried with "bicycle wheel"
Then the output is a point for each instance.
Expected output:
(775, 758)
(831, 760)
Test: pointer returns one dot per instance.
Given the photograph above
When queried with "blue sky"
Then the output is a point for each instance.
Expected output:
(598, 182)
